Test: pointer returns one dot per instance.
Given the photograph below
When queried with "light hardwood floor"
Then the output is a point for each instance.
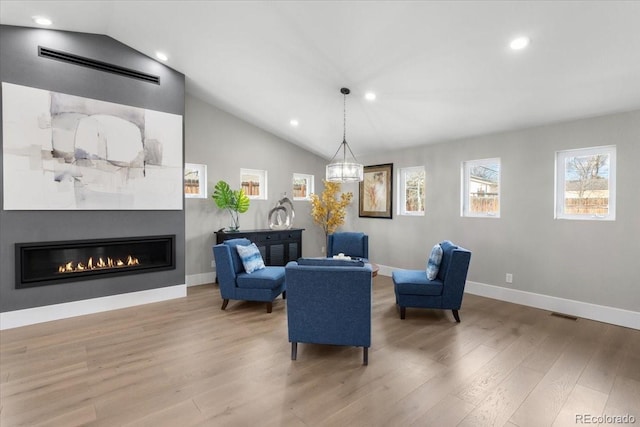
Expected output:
(185, 362)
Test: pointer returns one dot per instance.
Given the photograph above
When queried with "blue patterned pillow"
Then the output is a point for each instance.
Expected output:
(251, 258)
(433, 265)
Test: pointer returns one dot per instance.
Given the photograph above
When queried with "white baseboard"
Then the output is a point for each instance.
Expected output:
(385, 270)
(30, 316)
(200, 279)
(600, 313)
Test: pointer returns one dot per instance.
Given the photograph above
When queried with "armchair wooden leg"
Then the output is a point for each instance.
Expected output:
(365, 356)
(224, 304)
(456, 315)
(269, 307)
(284, 294)
(294, 350)
(403, 312)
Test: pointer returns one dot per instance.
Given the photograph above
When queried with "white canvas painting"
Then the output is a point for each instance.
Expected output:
(64, 152)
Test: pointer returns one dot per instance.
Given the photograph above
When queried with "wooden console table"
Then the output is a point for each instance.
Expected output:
(277, 247)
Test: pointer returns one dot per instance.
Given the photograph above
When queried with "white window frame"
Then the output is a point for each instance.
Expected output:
(560, 181)
(309, 180)
(465, 188)
(402, 194)
(261, 176)
(195, 181)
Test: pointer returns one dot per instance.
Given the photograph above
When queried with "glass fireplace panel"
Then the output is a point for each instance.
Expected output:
(46, 263)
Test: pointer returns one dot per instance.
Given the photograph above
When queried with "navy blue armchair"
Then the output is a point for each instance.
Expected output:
(353, 244)
(414, 289)
(329, 302)
(261, 285)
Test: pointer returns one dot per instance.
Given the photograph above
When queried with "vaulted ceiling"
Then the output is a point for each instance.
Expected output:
(440, 70)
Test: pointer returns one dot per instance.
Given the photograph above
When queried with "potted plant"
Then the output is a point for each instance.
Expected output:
(327, 210)
(234, 201)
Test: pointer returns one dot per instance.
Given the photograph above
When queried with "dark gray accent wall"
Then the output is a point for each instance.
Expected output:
(20, 64)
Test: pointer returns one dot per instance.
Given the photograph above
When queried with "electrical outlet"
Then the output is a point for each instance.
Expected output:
(322, 250)
(213, 263)
(509, 278)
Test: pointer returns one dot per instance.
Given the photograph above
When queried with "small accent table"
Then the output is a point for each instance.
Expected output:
(374, 269)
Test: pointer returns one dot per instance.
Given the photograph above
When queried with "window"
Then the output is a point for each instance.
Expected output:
(195, 181)
(586, 183)
(302, 186)
(411, 191)
(254, 183)
(481, 188)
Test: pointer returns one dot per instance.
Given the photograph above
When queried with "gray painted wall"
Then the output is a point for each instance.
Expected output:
(20, 64)
(588, 261)
(226, 144)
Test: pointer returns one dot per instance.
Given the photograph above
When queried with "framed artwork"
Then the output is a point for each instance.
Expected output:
(376, 192)
(254, 183)
(66, 152)
(302, 186)
(195, 181)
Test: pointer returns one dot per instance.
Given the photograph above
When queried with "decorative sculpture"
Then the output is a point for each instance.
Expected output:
(282, 215)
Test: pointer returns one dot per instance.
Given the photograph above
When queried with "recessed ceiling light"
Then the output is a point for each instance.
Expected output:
(519, 43)
(161, 56)
(42, 20)
(370, 96)
(294, 123)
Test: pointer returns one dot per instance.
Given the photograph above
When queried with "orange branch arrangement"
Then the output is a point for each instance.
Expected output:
(327, 210)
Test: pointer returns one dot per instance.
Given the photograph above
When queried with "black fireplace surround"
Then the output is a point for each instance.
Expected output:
(49, 263)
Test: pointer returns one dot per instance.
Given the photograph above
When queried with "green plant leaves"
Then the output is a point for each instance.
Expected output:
(242, 201)
(226, 198)
(222, 195)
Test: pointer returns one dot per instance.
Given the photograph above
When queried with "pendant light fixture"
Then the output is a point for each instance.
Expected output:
(343, 170)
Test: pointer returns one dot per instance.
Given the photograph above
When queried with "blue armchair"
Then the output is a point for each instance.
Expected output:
(329, 302)
(261, 285)
(353, 244)
(414, 289)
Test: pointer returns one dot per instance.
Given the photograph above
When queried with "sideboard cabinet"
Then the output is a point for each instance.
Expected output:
(277, 247)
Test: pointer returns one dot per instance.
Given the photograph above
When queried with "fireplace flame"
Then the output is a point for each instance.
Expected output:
(75, 266)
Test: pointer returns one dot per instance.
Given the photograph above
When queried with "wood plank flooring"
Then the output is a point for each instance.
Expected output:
(187, 363)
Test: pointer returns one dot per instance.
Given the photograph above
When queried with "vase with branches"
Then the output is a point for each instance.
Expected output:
(328, 210)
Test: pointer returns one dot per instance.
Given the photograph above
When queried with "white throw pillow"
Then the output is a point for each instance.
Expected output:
(251, 257)
(433, 264)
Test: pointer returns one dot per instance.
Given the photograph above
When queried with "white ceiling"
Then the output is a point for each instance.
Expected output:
(441, 70)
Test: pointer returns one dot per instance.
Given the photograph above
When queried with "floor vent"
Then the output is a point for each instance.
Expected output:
(564, 316)
(70, 58)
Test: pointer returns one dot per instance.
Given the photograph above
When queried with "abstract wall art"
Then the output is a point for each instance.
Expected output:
(65, 152)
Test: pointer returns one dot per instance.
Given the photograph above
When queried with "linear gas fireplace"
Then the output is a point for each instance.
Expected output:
(48, 263)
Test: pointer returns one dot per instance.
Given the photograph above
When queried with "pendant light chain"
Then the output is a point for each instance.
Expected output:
(345, 144)
(344, 117)
(344, 127)
(344, 170)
